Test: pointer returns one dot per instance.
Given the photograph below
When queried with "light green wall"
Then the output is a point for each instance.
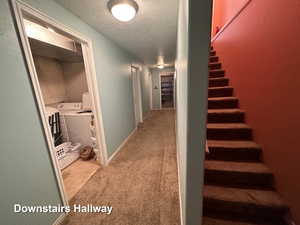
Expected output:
(156, 98)
(191, 93)
(26, 173)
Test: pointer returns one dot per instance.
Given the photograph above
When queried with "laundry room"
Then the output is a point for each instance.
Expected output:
(68, 103)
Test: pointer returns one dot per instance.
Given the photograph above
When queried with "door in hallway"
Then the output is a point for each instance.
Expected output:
(136, 95)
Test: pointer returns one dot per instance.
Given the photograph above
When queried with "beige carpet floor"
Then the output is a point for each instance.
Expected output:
(140, 183)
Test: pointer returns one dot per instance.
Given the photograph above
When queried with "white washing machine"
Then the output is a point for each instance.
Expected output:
(71, 129)
(75, 123)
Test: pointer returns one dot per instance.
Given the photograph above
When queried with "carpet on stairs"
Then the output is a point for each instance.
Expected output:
(239, 187)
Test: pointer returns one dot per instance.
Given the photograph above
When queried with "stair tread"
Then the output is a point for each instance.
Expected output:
(242, 167)
(232, 144)
(222, 98)
(214, 221)
(233, 151)
(221, 111)
(223, 87)
(215, 63)
(218, 78)
(227, 126)
(265, 198)
(213, 70)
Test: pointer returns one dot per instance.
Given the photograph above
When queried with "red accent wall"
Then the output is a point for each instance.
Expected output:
(223, 11)
(260, 52)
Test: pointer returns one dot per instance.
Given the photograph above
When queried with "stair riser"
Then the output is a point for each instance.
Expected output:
(233, 154)
(219, 220)
(216, 73)
(216, 76)
(215, 66)
(238, 179)
(229, 134)
(225, 118)
(214, 59)
(222, 92)
(218, 82)
(245, 212)
(223, 104)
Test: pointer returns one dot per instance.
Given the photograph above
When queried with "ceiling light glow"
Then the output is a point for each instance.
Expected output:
(123, 10)
(31, 31)
(50, 29)
(160, 66)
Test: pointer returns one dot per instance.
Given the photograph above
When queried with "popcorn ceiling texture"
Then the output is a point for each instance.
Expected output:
(150, 34)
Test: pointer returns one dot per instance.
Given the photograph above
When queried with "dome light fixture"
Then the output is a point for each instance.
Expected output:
(123, 10)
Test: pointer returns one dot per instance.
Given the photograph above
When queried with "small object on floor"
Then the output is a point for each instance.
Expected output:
(87, 153)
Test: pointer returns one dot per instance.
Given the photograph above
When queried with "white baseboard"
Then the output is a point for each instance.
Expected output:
(121, 146)
(60, 219)
(172, 108)
(163, 109)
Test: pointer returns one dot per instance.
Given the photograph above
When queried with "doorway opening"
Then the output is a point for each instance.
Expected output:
(62, 72)
(167, 90)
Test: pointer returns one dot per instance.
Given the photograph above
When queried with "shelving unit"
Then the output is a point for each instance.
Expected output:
(167, 88)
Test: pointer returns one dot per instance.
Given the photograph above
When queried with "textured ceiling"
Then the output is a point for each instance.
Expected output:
(152, 33)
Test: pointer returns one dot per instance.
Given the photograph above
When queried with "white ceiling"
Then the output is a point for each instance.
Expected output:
(152, 33)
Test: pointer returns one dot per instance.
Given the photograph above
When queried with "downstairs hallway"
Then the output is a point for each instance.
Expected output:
(141, 182)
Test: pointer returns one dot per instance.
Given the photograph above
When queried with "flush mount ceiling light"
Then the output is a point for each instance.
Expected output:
(123, 10)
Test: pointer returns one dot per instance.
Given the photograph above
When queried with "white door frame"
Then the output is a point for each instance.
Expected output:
(151, 91)
(159, 85)
(140, 100)
(19, 8)
(175, 89)
(137, 94)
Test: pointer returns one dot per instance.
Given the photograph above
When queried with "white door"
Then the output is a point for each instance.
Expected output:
(136, 95)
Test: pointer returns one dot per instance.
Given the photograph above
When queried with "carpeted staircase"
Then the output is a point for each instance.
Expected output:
(238, 186)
